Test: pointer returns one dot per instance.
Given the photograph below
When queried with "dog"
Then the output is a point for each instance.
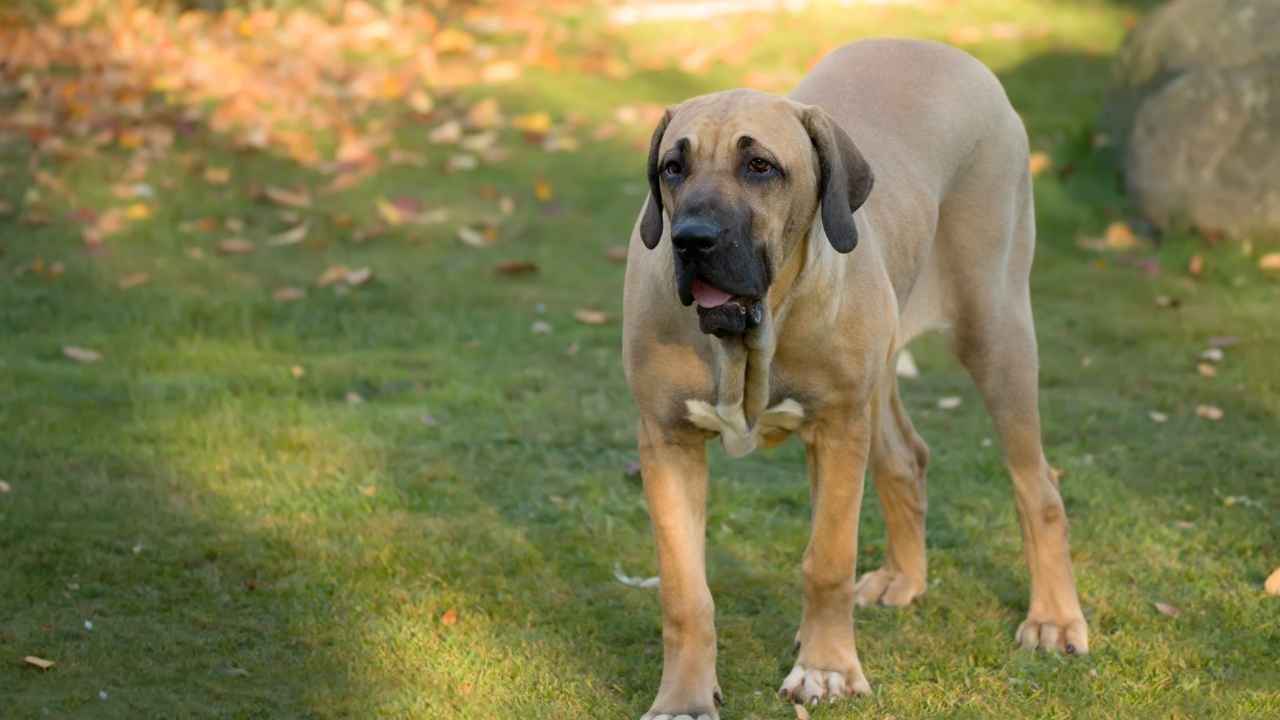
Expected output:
(788, 249)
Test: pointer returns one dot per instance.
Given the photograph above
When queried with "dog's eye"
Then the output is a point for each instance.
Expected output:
(673, 168)
(759, 166)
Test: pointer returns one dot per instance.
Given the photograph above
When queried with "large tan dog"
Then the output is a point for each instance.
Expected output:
(757, 203)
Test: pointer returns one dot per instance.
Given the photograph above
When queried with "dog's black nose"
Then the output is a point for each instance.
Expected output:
(695, 235)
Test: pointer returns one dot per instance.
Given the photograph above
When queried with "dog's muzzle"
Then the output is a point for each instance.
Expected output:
(720, 274)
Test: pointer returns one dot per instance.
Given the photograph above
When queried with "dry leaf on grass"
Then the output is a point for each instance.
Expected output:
(1213, 354)
(1038, 163)
(540, 327)
(635, 582)
(515, 267)
(949, 403)
(478, 237)
(1158, 417)
(133, 280)
(1270, 261)
(5, 487)
(288, 197)
(450, 617)
(1272, 585)
(1167, 609)
(81, 355)
(590, 317)
(1195, 265)
(448, 133)
(617, 253)
(236, 246)
(1206, 370)
(542, 190)
(217, 175)
(358, 277)
(38, 662)
(288, 294)
(332, 274)
(289, 237)
(1120, 237)
(1209, 412)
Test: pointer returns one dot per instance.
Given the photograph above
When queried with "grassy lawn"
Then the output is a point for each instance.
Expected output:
(396, 499)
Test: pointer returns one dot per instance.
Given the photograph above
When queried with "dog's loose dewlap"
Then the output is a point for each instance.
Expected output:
(788, 249)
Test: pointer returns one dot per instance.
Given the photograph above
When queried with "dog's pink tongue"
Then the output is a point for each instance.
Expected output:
(709, 296)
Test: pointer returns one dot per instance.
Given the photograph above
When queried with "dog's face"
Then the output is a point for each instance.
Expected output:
(741, 175)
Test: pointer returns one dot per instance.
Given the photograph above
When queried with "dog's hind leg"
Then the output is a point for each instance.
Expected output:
(898, 460)
(995, 340)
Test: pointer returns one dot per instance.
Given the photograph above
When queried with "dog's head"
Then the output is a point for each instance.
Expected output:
(741, 175)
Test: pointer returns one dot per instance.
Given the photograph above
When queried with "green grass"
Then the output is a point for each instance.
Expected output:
(247, 543)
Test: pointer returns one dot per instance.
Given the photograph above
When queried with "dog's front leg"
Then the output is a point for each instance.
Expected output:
(827, 666)
(675, 484)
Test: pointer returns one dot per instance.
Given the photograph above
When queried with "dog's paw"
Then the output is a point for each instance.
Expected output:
(711, 713)
(1067, 634)
(887, 587)
(810, 686)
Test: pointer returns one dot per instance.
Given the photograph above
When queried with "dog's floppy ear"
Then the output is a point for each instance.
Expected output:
(844, 177)
(651, 224)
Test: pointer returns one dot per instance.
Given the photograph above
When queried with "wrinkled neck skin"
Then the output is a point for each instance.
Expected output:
(743, 364)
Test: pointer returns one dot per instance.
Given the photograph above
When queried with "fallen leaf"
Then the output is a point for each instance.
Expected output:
(590, 317)
(236, 246)
(1209, 412)
(516, 267)
(133, 280)
(501, 71)
(288, 294)
(217, 175)
(1038, 163)
(477, 237)
(297, 371)
(5, 487)
(1165, 301)
(1167, 609)
(1206, 370)
(1120, 237)
(421, 102)
(1158, 417)
(447, 133)
(332, 274)
(1272, 585)
(542, 190)
(480, 142)
(289, 237)
(81, 355)
(1195, 265)
(485, 114)
(358, 277)
(635, 582)
(288, 197)
(1213, 354)
(617, 253)
(461, 163)
(449, 618)
(354, 398)
(137, 211)
(38, 662)
(950, 402)
(1270, 261)
(537, 123)
(540, 327)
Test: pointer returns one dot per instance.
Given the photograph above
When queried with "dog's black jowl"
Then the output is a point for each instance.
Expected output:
(712, 246)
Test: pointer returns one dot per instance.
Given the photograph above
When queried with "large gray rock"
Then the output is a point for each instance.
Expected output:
(1197, 108)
